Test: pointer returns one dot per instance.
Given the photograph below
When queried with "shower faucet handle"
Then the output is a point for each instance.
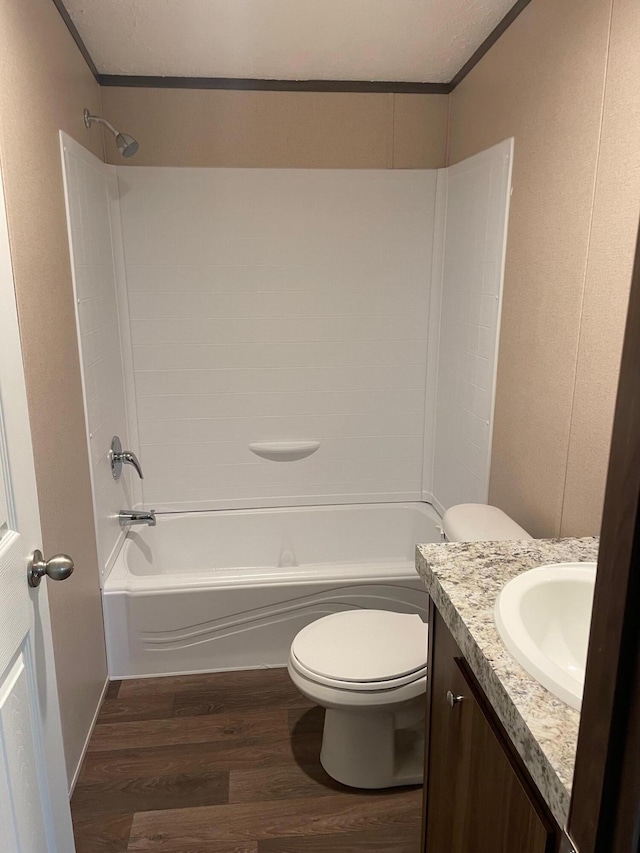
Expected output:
(118, 457)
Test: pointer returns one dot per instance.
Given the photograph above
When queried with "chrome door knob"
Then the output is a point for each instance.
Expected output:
(58, 568)
(453, 700)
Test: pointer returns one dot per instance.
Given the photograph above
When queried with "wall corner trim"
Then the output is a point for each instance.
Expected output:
(76, 775)
(66, 17)
(488, 43)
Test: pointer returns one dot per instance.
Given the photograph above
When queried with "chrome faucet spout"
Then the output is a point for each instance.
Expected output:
(128, 517)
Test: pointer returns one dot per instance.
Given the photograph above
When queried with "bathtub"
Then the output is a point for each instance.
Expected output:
(209, 591)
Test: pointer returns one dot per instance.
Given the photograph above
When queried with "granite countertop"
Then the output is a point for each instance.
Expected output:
(464, 580)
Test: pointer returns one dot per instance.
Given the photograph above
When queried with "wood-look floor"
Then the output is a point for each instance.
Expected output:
(225, 763)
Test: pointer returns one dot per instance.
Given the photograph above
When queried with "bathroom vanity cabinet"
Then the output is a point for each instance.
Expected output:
(479, 797)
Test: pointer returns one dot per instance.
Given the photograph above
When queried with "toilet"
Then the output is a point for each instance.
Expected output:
(368, 669)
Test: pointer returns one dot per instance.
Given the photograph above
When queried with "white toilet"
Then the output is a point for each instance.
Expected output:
(368, 668)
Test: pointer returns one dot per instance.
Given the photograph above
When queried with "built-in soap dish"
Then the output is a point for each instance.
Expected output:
(284, 451)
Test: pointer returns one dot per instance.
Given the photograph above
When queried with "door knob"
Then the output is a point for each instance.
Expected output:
(58, 568)
(452, 699)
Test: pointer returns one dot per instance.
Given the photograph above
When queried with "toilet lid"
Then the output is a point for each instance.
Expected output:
(363, 646)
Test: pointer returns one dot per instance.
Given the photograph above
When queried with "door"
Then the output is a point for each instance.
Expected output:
(446, 769)
(34, 801)
(500, 814)
(604, 816)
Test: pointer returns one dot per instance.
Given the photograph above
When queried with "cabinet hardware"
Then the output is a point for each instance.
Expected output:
(453, 699)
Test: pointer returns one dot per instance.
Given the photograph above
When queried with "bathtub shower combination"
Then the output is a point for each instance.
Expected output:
(303, 362)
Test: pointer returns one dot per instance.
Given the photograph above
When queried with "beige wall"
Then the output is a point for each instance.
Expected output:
(609, 266)
(183, 127)
(568, 260)
(44, 85)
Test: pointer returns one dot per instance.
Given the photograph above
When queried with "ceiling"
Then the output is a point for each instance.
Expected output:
(399, 40)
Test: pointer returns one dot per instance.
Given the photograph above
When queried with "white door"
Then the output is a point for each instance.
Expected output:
(34, 801)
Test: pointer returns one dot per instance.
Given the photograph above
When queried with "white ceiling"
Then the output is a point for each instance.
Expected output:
(399, 40)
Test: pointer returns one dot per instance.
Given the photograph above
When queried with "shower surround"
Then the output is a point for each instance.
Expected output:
(278, 306)
(272, 338)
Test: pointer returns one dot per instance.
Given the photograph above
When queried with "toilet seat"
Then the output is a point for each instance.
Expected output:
(369, 686)
(362, 650)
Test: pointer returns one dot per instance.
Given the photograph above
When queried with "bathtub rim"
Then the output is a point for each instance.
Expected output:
(122, 580)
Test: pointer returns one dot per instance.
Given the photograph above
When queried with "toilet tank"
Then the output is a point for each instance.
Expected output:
(479, 523)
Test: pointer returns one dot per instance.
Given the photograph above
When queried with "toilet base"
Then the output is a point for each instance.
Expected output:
(364, 749)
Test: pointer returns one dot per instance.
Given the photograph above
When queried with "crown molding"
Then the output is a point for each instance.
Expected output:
(66, 17)
(489, 42)
(249, 84)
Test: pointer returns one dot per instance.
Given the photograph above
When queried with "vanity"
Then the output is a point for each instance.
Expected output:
(499, 747)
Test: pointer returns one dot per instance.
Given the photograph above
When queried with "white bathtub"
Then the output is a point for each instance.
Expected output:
(202, 592)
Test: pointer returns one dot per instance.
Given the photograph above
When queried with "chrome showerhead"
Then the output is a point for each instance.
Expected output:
(127, 145)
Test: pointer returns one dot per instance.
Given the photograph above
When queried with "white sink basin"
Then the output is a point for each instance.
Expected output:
(543, 617)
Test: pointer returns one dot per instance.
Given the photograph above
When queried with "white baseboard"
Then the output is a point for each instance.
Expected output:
(88, 738)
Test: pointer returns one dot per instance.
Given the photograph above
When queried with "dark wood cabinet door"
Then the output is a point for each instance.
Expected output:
(478, 800)
(445, 783)
(501, 813)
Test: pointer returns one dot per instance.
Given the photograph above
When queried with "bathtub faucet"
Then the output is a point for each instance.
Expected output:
(127, 517)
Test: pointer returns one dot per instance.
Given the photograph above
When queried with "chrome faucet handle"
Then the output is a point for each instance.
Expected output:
(130, 458)
(118, 457)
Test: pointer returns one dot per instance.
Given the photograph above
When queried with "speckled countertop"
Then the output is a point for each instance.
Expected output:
(464, 580)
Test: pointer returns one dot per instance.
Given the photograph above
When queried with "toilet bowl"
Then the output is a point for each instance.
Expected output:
(368, 669)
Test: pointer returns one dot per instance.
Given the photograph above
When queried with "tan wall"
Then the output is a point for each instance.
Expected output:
(44, 85)
(609, 266)
(565, 298)
(182, 127)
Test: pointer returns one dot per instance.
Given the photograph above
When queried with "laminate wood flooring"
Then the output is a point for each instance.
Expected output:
(225, 763)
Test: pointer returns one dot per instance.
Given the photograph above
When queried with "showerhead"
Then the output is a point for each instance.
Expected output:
(127, 145)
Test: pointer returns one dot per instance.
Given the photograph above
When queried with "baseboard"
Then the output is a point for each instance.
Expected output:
(88, 738)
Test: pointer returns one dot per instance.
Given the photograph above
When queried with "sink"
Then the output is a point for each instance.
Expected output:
(543, 617)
